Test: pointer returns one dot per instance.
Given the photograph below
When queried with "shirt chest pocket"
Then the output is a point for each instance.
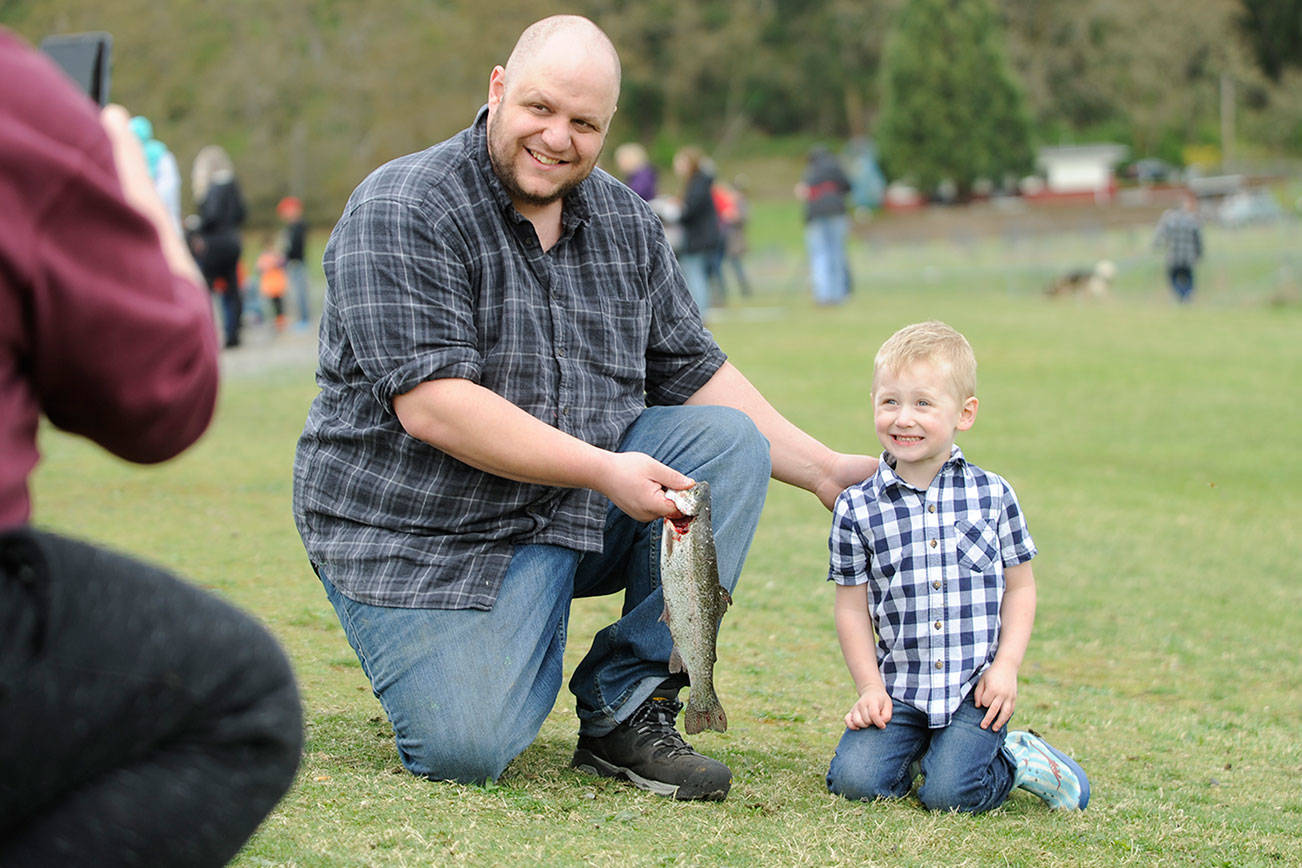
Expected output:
(613, 333)
(976, 544)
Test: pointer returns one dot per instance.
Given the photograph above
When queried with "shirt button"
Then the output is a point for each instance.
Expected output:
(936, 584)
(937, 625)
(933, 544)
(940, 664)
(931, 507)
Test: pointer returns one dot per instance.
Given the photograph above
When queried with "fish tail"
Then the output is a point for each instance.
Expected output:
(704, 716)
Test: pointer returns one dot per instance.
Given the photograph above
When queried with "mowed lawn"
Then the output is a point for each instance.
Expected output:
(1154, 450)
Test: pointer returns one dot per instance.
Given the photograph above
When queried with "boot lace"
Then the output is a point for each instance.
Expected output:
(654, 723)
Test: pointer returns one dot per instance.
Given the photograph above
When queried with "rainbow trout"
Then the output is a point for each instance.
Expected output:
(694, 603)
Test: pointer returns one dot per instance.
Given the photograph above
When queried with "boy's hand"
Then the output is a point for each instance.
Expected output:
(872, 709)
(996, 692)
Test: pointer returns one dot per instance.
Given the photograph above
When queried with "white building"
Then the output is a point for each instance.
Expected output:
(1081, 168)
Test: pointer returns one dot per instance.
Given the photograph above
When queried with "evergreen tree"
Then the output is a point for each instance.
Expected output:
(1274, 31)
(951, 107)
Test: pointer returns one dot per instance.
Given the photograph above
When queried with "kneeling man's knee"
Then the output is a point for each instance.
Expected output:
(741, 442)
(465, 758)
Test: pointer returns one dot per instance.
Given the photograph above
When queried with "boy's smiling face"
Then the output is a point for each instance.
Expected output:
(916, 414)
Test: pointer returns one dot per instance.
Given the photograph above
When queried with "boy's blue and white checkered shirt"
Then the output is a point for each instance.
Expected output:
(934, 564)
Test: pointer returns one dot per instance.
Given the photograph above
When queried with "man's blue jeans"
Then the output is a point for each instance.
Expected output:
(468, 690)
(829, 269)
(966, 767)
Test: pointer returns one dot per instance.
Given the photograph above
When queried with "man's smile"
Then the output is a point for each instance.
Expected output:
(545, 160)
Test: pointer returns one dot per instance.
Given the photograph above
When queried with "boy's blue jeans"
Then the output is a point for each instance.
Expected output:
(966, 767)
(468, 690)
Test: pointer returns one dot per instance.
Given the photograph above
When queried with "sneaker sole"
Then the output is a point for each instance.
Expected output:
(589, 762)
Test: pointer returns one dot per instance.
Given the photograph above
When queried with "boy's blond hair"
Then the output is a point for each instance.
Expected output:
(933, 342)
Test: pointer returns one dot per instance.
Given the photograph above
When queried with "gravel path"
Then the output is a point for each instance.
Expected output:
(262, 349)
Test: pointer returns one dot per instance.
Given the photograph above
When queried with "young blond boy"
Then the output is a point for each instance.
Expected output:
(932, 554)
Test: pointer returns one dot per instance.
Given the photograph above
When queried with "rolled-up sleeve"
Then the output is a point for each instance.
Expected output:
(405, 298)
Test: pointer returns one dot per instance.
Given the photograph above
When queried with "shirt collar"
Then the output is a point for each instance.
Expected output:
(574, 214)
(889, 478)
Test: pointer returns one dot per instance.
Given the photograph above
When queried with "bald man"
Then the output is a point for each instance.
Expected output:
(512, 374)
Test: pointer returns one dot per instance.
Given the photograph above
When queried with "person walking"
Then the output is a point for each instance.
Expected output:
(1179, 232)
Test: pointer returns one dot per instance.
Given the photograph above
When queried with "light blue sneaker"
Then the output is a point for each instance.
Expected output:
(1048, 772)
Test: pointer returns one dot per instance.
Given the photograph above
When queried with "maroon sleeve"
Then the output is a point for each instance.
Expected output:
(120, 349)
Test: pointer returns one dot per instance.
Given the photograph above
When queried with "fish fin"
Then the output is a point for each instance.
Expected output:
(676, 661)
(695, 719)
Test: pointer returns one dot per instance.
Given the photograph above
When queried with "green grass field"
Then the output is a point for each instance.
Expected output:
(1153, 449)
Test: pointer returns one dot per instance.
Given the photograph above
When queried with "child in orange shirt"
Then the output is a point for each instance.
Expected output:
(272, 280)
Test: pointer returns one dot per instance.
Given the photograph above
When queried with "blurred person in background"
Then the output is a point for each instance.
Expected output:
(163, 170)
(1179, 233)
(218, 242)
(823, 189)
(635, 167)
(702, 234)
(730, 202)
(290, 211)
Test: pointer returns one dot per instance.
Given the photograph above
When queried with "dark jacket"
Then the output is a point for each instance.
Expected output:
(701, 231)
(827, 186)
(221, 214)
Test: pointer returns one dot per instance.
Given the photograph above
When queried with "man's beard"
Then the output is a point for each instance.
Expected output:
(505, 172)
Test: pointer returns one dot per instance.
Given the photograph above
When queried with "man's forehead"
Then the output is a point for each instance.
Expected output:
(566, 86)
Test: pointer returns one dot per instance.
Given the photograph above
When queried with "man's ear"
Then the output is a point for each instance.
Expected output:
(496, 86)
(967, 415)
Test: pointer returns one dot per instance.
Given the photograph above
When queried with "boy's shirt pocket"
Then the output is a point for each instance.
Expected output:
(976, 544)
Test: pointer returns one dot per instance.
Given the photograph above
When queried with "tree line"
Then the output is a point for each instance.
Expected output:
(310, 95)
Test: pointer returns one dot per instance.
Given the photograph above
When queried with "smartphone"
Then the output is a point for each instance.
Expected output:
(85, 57)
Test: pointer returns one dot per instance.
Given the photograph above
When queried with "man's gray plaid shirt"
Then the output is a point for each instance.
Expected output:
(433, 273)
